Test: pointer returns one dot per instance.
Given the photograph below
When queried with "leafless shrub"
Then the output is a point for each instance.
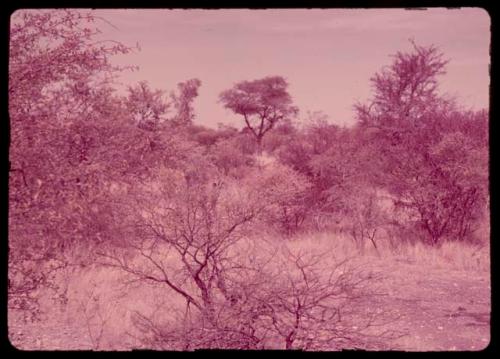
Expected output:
(257, 296)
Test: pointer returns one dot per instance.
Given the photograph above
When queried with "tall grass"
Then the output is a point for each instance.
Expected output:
(450, 255)
(102, 298)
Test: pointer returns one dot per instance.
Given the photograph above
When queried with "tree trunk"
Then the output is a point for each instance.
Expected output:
(289, 341)
(259, 144)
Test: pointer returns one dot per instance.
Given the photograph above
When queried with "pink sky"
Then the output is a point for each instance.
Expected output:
(327, 56)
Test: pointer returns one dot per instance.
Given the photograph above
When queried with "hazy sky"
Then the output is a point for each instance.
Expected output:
(327, 56)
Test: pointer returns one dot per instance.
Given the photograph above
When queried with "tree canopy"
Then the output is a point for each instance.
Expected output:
(262, 103)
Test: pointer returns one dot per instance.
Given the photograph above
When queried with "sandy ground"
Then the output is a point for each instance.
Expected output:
(439, 310)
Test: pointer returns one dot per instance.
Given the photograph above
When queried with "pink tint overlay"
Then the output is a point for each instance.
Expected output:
(249, 179)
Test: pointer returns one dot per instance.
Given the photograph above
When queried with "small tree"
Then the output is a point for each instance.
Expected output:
(262, 103)
(183, 102)
(366, 217)
(192, 222)
(284, 191)
(146, 106)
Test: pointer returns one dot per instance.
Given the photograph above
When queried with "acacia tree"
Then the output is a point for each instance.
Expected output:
(262, 103)
(58, 76)
(405, 91)
(411, 123)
